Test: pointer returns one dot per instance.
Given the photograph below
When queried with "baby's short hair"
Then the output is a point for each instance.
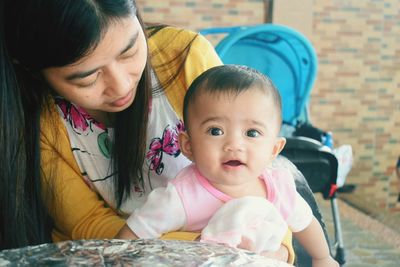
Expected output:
(231, 79)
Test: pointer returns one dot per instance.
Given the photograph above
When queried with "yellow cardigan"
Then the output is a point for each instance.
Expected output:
(78, 212)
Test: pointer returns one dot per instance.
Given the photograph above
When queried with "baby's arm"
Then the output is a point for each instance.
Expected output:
(162, 212)
(307, 230)
(313, 240)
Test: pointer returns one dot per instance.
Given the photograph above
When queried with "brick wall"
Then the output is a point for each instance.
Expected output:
(357, 92)
(196, 14)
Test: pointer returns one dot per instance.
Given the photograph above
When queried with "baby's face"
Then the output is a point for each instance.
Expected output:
(233, 138)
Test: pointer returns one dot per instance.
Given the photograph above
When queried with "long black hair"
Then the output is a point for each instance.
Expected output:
(35, 35)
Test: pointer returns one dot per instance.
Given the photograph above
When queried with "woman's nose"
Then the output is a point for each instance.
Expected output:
(120, 82)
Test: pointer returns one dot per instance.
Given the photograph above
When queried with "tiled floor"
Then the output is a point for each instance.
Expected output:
(367, 241)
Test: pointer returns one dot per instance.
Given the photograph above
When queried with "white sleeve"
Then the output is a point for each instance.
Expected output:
(163, 212)
(302, 215)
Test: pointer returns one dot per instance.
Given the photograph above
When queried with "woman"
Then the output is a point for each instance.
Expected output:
(62, 89)
(83, 94)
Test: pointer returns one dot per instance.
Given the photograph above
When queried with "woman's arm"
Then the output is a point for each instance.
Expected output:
(77, 211)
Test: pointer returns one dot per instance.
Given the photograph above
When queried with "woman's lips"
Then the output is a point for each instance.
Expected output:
(123, 100)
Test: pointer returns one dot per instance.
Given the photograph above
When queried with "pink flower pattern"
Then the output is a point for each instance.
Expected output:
(168, 144)
(77, 117)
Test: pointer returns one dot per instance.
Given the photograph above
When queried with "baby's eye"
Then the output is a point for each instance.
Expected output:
(215, 131)
(252, 133)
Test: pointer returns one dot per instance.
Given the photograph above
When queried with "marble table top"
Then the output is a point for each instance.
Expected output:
(142, 252)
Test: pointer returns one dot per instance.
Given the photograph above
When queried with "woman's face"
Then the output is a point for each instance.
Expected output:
(105, 80)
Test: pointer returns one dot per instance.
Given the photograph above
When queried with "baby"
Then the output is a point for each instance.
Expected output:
(232, 116)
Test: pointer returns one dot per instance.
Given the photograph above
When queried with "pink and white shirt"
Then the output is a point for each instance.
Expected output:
(189, 201)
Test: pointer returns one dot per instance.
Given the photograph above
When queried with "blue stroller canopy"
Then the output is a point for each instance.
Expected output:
(283, 54)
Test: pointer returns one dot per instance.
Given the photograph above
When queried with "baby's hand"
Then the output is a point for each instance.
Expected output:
(325, 262)
(281, 254)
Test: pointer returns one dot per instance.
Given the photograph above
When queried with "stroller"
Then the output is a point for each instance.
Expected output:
(289, 59)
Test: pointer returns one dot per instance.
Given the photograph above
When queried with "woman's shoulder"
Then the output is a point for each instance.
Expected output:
(48, 114)
(51, 125)
(174, 39)
(160, 33)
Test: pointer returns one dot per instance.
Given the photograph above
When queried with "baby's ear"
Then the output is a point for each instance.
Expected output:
(279, 145)
(185, 146)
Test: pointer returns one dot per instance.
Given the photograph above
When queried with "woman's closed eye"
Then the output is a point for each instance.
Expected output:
(215, 131)
(131, 53)
(90, 82)
(128, 55)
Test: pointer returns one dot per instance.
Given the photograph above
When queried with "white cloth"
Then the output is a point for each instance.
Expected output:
(249, 222)
(344, 155)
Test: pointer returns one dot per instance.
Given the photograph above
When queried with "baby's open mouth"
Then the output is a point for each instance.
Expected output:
(233, 163)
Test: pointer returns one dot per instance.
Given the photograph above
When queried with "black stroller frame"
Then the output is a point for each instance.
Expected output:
(310, 157)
